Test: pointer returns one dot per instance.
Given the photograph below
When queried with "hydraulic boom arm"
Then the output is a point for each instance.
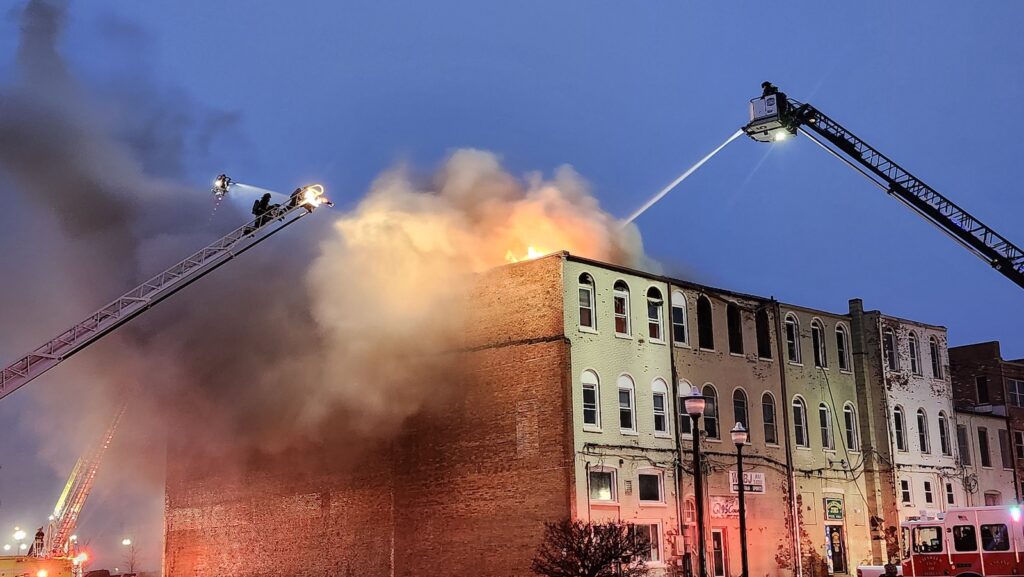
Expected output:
(774, 117)
(156, 289)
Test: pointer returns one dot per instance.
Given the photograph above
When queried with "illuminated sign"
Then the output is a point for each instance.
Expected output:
(833, 508)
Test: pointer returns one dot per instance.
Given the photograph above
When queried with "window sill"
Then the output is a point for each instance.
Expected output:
(766, 359)
(629, 432)
(625, 336)
(591, 429)
(656, 342)
(600, 503)
(846, 371)
(821, 367)
(771, 445)
(682, 345)
(796, 363)
(664, 435)
(712, 440)
(702, 349)
(802, 448)
(741, 355)
(588, 330)
(653, 504)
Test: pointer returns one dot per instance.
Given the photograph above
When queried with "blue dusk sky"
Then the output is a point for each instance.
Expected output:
(630, 95)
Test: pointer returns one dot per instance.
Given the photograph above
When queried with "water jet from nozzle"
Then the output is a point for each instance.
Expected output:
(682, 177)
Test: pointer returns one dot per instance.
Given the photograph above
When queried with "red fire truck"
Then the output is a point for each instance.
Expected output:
(965, 541)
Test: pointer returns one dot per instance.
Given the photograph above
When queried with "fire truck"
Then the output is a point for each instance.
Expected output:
(964, 541)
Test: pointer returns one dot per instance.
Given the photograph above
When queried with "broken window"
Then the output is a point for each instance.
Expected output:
(818, 342)
(915, 354)
(944, 434)
(923, 441)
(933, 348)
(621, 303)
(843, 347)
(899, 426)
(705, 330)
(850, 420)
(892, 362)
(735, 322)
(981, 384)
(825, 424)
(764, 338)
(586, 290)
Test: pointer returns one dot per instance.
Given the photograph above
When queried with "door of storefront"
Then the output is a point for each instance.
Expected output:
(837, 547)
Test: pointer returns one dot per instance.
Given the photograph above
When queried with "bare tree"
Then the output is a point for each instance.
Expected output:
(131, 558)
(587, 549)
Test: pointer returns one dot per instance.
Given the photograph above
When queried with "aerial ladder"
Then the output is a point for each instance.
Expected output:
(76, 490)
(774, 117)
(268, 220)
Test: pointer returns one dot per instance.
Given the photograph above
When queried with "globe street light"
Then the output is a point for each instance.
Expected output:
(126, 541)
(694, 404)
(740, 436)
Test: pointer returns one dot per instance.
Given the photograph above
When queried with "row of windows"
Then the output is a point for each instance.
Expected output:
(929, 495)
(929, 539)
(626, 395)
(984, 454)
(892, 358)
(899, 426)
(650, 486)
(1014, 390)
(802, 433)
(818, 343)
(679, 319)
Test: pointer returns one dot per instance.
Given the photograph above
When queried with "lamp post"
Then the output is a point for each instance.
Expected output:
(740, 436)
(694, 404)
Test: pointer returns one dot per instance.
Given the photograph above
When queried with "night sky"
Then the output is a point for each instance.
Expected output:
(336, 92)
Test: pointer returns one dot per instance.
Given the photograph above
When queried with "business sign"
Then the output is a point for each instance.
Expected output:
(833, 509)
(752, 483)
(724, 507)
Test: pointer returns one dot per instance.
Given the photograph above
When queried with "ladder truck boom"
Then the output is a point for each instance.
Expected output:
(136, 301)
(774, 116)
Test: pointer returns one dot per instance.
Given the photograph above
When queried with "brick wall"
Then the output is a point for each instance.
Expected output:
(463, 489)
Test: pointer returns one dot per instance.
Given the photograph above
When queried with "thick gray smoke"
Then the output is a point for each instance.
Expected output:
(296, 340)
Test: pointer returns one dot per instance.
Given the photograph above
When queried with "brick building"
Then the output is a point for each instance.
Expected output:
(984, 382)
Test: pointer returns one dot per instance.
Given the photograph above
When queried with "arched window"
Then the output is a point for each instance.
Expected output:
(933, 348)
(659, 392)
(818, 342)
(591, 400)
(915, 354)
(843, 347)
(944, 445)
(800, 423)
(739, 410)
(587, 317)
(735, 326)
(705, 330)
(680, 332)
(850, 420)
(899, 427)
(711, 412)
(922, 432)
(892, 362)
(792, 338)
(621, 305)
(771, 434)
(655, 315)
(627, 404)
(764, 333)
(684, 419)
(825, 425)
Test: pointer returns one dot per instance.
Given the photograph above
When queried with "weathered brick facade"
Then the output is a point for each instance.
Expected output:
(463, 489)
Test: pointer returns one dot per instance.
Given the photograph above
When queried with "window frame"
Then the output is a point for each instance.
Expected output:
(890, 349)
(1015, 392)
(936, 357)
(950, 494)
(986, 454)
(1018, 444)
(659, 320)
(681, 306)
(963, 444)
(763, 333)
(914, 350)
(657, 552)
(772, 424)
(596, 385)
(899, 425)
(828, 439)
(799, 408)
(631, 389)
(659, 388)
(924, 440)
(818, 344)
(1005, 449)
(651, 472)
(614, 488)
(712, 402)
(929, 494)
(851, 427)
(621, 294)
(843, 352)
(945, 447)
(684, 388)
(793, 353)
(746, 410)
(906, 492)
(591, 289)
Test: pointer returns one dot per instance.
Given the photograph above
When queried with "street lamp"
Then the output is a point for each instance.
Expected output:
(740, 436)
(126, 541)
(694, 404)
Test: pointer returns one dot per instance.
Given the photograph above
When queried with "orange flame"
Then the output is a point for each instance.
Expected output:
(531, 253)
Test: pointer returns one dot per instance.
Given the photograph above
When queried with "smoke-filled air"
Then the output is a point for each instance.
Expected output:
(342, 322)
